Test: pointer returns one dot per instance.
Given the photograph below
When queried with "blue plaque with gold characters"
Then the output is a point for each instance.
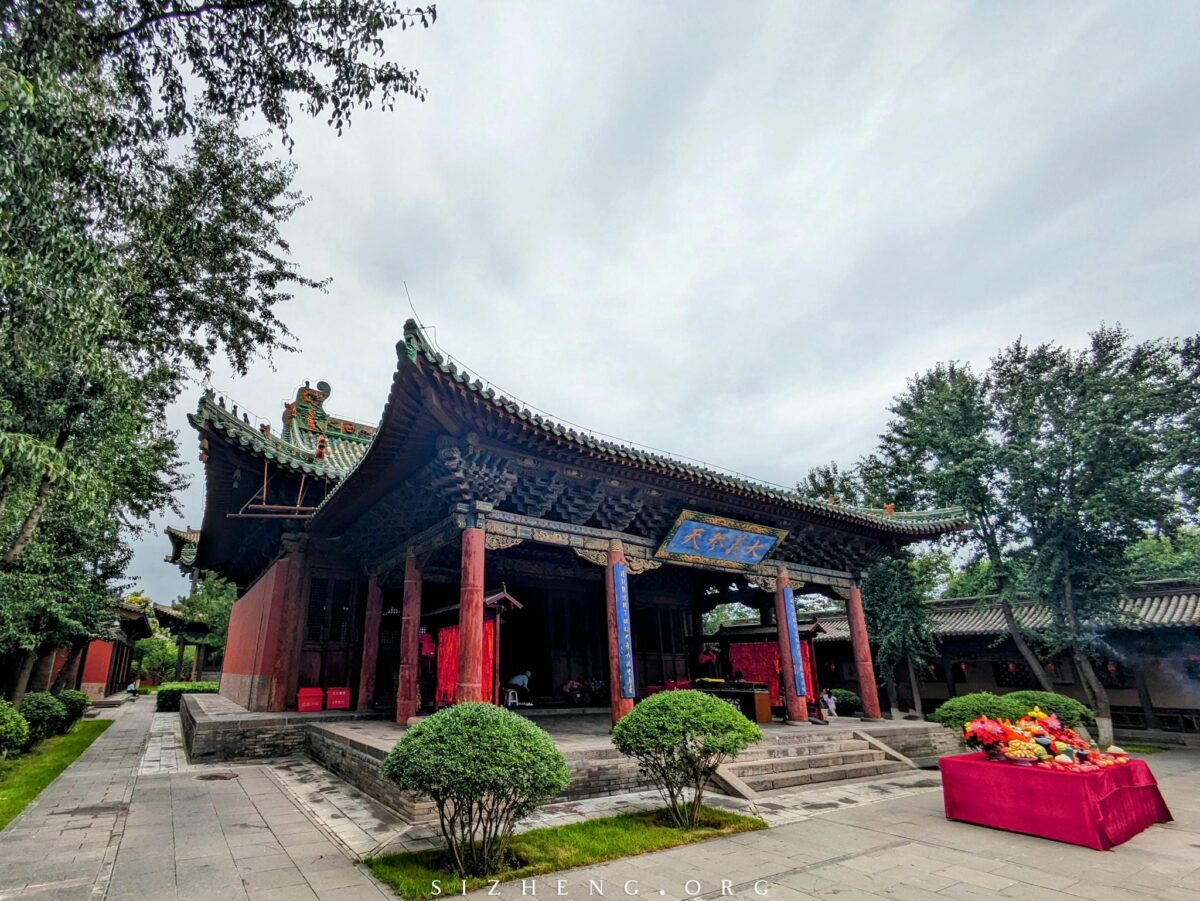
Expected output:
(715, 540)
(624, 638)
(793, 635)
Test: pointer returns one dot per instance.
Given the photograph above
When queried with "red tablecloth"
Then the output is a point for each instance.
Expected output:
(1100, 810)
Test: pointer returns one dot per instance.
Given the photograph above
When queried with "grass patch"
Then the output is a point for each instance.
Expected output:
(559, 848)
(22, 778)
(1132, 748)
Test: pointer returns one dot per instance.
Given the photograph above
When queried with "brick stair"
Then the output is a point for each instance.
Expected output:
(596, 772)
(779, 761)
(790, 761)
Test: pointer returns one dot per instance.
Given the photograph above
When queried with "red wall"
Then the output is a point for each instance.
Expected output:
(96, 667)
(254, 663)
(247, 621)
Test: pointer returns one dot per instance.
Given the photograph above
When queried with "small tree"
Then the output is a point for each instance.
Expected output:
(211, 603)
(76, 703)
(154, 658)
(1069, 711)
(44, 713)
(957, 712)
(894, 599)
(485, 768)
(848, 702)
(679, 738)
(14, 731)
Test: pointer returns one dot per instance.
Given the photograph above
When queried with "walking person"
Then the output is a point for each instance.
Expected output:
(829, 702)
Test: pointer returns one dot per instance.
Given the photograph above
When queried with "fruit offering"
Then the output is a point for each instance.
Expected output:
(1022, 750)
(1040, 738)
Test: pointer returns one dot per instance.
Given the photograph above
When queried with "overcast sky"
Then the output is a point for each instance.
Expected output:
(733, 231)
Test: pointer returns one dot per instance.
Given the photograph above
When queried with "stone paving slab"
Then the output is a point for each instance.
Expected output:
(903, 847)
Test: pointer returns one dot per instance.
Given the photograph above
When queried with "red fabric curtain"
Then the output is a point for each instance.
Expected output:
(447, 662)
(758, 662)
(489, 659)
(810, 670)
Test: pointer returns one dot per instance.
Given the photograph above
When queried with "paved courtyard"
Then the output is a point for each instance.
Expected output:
(132, 820)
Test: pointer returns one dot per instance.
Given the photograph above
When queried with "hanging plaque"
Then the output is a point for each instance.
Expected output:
(717, 541)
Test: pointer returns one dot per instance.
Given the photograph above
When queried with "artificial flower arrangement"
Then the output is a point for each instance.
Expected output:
(1039, 738)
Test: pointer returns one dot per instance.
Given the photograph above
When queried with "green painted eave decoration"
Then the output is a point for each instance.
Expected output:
(269, 447)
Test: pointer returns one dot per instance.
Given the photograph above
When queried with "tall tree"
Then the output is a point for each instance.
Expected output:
(211, 603)
(1090, 442)
(941, 448)
(1166, 556)
(896, 592)
(129, 264)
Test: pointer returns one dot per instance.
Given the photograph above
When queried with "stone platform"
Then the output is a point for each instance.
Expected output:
(352, 746)
(215, 729)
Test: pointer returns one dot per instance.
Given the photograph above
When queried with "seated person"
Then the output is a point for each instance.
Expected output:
(521, 683)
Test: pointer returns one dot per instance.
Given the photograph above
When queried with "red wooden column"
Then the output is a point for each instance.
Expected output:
(410, 641)
(862, 654)
(621, 685)
(289, 601)
(370, 651)
(470, 617)
(790, 664)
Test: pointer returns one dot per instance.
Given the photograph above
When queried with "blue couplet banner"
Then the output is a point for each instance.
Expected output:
(794, 642)
(624, 637)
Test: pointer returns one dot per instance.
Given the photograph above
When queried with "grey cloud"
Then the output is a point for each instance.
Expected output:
(735, 232)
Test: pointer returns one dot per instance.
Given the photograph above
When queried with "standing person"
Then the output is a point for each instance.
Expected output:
(829, 702)
(706, 660)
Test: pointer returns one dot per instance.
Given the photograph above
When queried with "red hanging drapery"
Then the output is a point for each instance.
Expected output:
(758, 662)
(810, 670)
(447, 662)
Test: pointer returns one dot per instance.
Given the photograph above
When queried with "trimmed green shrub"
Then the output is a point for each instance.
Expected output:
(957, 712)
(1070, 712)
(14, 730)
(45, 714)
(169, 693)
(679, 738)
(76, 703)
(847, 701)
(485, 768)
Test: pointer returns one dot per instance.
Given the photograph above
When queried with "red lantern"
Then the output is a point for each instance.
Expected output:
(1012, 667)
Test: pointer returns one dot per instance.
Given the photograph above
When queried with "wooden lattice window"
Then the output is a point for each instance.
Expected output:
(340, 610)
(318, 600)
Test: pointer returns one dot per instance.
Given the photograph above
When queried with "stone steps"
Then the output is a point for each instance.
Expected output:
(806, 749)
(834, 773)
(777, 765)
(106, 703)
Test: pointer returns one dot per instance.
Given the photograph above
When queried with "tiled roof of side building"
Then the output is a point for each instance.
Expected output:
(184, 543)
(926, 523)
(1150, 605)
